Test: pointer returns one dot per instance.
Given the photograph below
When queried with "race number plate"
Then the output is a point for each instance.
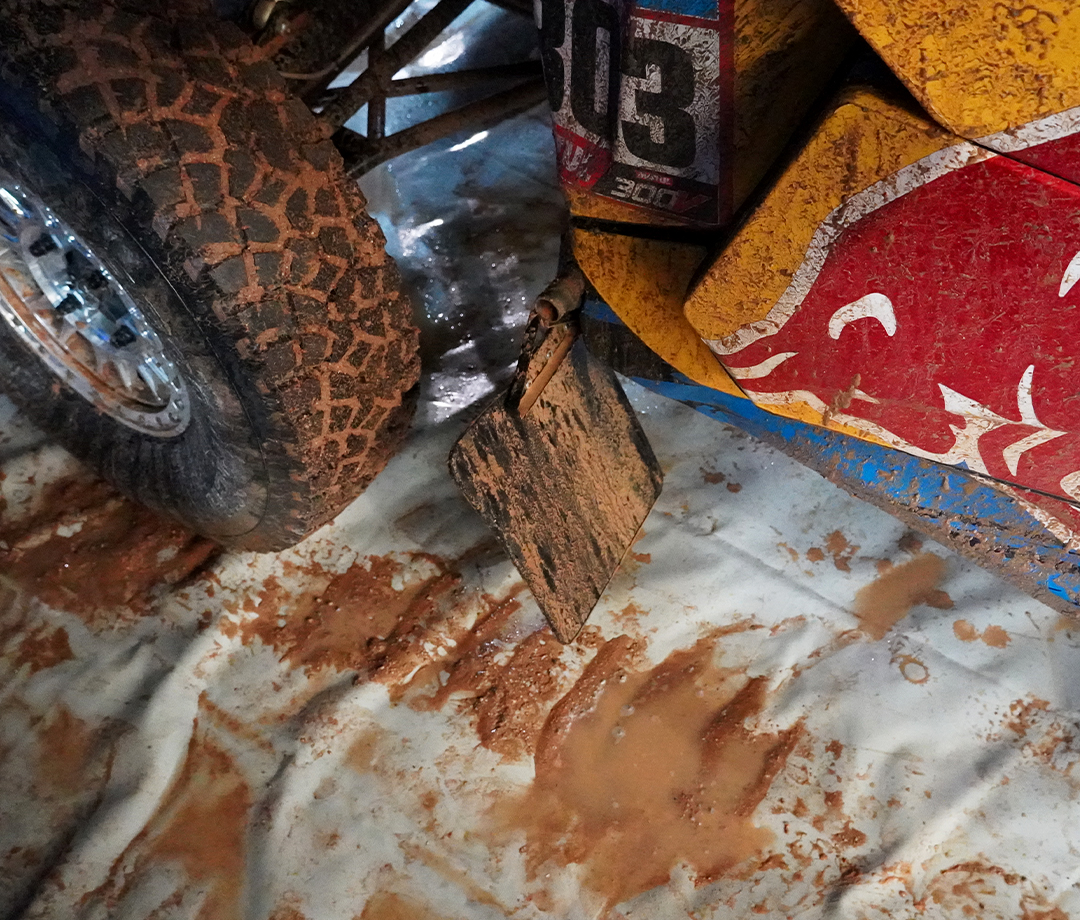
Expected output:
(641, 95)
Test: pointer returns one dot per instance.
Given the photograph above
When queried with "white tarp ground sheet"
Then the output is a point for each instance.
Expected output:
(784, 706)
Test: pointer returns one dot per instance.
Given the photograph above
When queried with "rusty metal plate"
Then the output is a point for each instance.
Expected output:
(564, 485)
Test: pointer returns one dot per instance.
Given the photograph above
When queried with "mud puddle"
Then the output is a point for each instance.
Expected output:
(640, 770)
(91, 552)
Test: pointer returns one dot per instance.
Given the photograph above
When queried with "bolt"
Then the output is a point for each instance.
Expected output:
(95, 281)
(43, 245)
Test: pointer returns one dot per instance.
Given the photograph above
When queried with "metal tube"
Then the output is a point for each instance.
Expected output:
(362, 154)
(378, 76)
(376, 112)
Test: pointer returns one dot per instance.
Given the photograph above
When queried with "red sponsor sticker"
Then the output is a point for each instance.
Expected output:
(641, 101)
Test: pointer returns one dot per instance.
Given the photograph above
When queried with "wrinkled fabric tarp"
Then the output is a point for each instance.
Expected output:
(785, 705)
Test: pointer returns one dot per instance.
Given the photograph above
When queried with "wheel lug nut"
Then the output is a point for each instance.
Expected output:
(43, 245)
(95, 281)
(122, 337)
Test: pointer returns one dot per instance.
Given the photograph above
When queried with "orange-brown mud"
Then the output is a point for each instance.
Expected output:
(842, 552)
(201, 826)
(388, 906)
(1024, 713)
(639, 771)
(364, 750)
(507, 697)
(43, 648)
(114, 555)
(886, 600)
(994, 636)
(912, 669)
(445, 867)
(286, 912)
(356, 621)
(66, 748)
(629, 616)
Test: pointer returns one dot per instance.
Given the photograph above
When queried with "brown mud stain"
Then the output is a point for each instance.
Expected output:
(202, 825)
(815, 554)
(43, 648)
(964, 889)
(1024, 713)
(638, 771)
(842, 552)
(1036, 908)
(964, 631)
(712, 477)
(287, 912)
(364, 751)
(733, 487)
(66, 748)
(88, 550)
(385, 905)
(644, 558)
(912, 669)
(506, 694)
(994, 636)
(239, 727)
(630, 616)
(849, 837)
(886, 600)
(357, 620)
(791, 551)
(441, 865)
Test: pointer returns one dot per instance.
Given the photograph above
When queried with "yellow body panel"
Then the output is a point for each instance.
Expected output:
(862, 140)
(645, 282)
(978, 67)
(786, 51)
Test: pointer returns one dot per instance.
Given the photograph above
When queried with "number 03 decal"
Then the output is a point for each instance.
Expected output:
(641, 99)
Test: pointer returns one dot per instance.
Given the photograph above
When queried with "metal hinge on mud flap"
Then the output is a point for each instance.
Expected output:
(558, 464)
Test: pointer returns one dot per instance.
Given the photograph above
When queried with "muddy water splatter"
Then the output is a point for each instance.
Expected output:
(886, 600)
(201, 825)
(65, 749)
(88, 550)
(43, 648)
(389, 906)
(994, 636)
(842, 551)
(912, 669)
(639, 771)
(357, 619)
(507, 697)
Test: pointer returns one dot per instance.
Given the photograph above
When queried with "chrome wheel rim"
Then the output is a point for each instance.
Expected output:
(73, 313)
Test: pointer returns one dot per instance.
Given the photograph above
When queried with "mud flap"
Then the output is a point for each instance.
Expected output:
(560, 468)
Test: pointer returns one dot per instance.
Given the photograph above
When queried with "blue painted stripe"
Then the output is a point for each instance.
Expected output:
(1015, 544)
(703, 9)
(598, 310)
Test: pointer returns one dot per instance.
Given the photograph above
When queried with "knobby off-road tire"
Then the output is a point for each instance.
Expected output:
(175, 154)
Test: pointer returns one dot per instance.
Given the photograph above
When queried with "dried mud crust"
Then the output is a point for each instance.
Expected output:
(271, 280)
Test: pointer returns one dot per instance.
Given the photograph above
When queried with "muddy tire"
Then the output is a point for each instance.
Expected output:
(173, 153)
